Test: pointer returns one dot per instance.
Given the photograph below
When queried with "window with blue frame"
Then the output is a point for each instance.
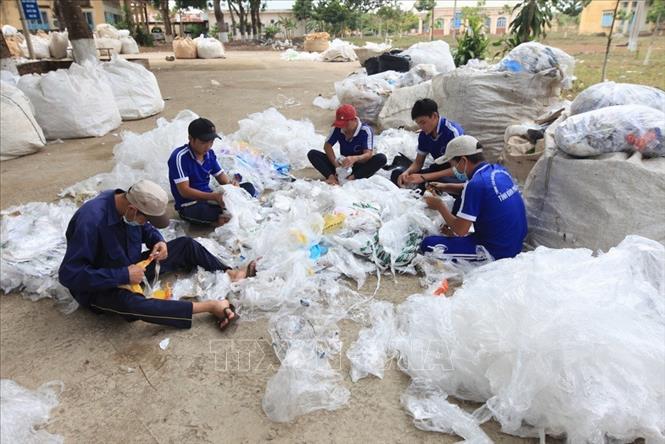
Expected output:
(89, 20)
(606, 19)
(501, 23)
(42, 23)
(458, 20)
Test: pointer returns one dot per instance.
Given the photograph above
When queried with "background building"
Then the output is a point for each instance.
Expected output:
(597, 17)
(95, 11)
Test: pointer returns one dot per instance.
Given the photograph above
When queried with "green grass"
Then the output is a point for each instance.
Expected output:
(623, 65)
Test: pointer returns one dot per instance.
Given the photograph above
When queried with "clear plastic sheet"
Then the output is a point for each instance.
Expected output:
(22, 410)
(621, 128)
(548, 349)
(292, 55)
(323, 103)
(366, 93)
(602, 95)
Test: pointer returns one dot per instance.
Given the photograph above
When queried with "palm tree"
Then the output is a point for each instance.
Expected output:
(80, 35)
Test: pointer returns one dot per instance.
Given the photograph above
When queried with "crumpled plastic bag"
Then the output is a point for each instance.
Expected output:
(535, 57)
(21, 410)
(292, 55)
(368, 355)
(323, 103)
(602, 95)
(436, 53)
(547, 349)
(613, 129)
(366, 93)
(339, 51)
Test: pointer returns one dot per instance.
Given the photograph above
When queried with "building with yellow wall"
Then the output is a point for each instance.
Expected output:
(95, 11)
(597, 17)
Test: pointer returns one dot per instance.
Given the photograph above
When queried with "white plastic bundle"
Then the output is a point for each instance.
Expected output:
(546, 348)
(40, 46)
(20, 134)
(436, 53)
(22, 410)
(392, 142)
(417, 74)
(366, 93)
(129, 45)
(292, 55)
(9, 30)
(323, 103)
(535, 57)
(122, 33)
(33, 245)
(613, 129)
(602, 95)
(72, 103)
(104, 30)
(135, 89)
(396, 112)
(114, 44)
(209, 48)
(273, 134)
(339, 51)
(58, 45)
(368, 355)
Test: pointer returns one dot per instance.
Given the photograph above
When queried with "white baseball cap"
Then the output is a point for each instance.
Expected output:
(460, 146)
(151, 200)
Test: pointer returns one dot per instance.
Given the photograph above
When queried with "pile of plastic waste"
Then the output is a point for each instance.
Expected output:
(23, 410)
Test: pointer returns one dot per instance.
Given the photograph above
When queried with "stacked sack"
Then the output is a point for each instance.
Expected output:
(602, 171)
(118, 41)
(184, 48)
(20, 134)
(486, 101)
(209, 48)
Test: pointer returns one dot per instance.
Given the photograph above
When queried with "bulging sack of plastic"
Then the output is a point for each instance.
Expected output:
(114, 44)
(436, 53)
(72, 103)
(613, 129)
(368, 355)
(339, 51)
(58, 45)
(16, 46)
(24, 412)
(416, 75)
(20, 134)
(602, 95)
(104, 30)
(208, 48)
(486, 102)
(40, 46)
(135, 89)
(396, 112)
(184, 48)
(304, 383)
(122, 33)
(9, 30)
(366, 93)
(535, 57)
(546, 348)
(129, 45)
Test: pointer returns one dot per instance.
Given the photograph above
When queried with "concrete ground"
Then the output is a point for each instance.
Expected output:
(119, 385)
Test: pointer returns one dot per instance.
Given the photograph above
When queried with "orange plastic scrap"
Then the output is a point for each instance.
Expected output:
(443, 288)
(136, 288)
(163, 293)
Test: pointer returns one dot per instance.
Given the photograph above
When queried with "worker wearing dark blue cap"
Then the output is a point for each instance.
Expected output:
(190, 168)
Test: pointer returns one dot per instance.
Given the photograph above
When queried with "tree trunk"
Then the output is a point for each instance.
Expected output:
(146, 20)
(7, 63)
(57, 10)
(219, 15)
(609, 43)
(168, 29)
(233, 19)
(83, 44)
(243, 20)
(127, 9)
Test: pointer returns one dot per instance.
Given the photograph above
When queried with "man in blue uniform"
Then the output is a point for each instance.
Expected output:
(190, 168)
(104, 241)
(356, 146)
(435, 134)
(491, 201)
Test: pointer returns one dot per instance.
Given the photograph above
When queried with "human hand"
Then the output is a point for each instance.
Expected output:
(433, 202)
(136, 274)
(348, 161)
(414, 178)
(447, 231)
(159, 251)
(401, 178)
(219, 197)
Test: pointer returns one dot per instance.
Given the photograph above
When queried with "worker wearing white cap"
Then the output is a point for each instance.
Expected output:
(490, 201)
(104, 242)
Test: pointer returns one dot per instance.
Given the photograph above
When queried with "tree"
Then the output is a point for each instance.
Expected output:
(531, 22)
(288, 25)
(163, 7)
(335, 16)
(427, 5)
(366, 5)
(303, 9)
(80, 35)
(473, 43)
(219, 15)
(571, 8)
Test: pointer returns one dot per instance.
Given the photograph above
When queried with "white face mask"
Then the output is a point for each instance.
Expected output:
(131, 223)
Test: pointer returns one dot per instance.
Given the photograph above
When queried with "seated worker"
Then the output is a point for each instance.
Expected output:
(190, 168)
(356, 146)
(104, 241)
(435, 134)
(490, 201)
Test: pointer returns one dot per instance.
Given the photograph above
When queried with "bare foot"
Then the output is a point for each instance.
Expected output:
(223, 311)
(240, 274)
(332, 180)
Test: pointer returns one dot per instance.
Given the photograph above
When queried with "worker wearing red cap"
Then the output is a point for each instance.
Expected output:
(356, 146)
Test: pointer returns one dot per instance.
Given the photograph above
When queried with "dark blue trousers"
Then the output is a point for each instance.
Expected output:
(185, 254)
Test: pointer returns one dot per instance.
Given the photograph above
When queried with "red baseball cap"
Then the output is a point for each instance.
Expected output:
(344, 114)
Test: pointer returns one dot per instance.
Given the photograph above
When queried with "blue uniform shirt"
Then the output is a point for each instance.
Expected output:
(100, 247)
(447, 131)
(184, 166)
(492, 201)
(362, 140)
